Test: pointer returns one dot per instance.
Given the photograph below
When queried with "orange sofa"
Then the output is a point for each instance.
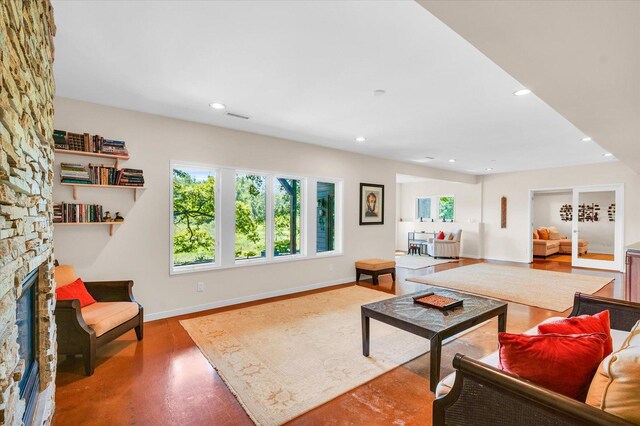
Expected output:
(548, 241)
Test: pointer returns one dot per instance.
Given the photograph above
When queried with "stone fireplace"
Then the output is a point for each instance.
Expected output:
(27, 297)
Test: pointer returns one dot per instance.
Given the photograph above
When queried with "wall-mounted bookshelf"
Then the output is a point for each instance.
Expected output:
(88, 185)
(116, 157)
(93, 176)
(110, 224)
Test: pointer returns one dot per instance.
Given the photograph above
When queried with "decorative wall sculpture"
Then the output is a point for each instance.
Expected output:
(588, 212)
(566, 213)
(503, 212)
(611, 211)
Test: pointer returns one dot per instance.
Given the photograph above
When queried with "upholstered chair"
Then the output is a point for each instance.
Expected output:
(449, 247)
(83, 330)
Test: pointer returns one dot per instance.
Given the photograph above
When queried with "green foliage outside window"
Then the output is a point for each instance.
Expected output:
(194, 214)
(446, 208)
(251, 223)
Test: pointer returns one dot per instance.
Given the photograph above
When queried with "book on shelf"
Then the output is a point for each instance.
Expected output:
(100, 174)
(77, 213)
(131, 177)
(85, 142)
(74, 173)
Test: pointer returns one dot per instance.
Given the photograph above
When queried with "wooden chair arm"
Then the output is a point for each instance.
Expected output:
(111, 291)
(69, 318)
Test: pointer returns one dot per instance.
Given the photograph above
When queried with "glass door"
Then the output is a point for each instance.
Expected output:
(598, 226)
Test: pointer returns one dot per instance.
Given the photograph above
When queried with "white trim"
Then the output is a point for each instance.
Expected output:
(244, 299)
(618, 264)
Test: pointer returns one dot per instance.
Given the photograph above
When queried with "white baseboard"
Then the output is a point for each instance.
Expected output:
(243, 299)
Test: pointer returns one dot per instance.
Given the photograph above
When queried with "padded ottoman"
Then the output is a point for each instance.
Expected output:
(565, 247)
(375, 267)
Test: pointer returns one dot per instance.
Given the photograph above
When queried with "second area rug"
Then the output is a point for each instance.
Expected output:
(533, 287)
(284, 358)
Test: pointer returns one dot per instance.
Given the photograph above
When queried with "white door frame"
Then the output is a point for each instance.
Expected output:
(618, 264)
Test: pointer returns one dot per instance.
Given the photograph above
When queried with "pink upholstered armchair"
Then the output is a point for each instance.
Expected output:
(449, 247)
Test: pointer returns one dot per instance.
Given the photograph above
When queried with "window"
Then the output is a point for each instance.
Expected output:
(287, 223)
(446, 208)
(251, 216)
(326, 217)
(222, 217)
(193, 211)
(423, 208)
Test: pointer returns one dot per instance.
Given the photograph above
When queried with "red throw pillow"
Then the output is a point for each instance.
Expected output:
(562, 363)
(598, 323)
(440, 236)
(75, 290)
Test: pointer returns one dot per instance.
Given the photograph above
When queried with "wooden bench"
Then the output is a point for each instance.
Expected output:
(375, 267)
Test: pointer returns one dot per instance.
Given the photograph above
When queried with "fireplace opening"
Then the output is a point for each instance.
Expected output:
(26, 320)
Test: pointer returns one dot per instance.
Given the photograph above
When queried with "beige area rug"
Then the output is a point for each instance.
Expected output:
(545, 289)
(419, 262)
(285, 358)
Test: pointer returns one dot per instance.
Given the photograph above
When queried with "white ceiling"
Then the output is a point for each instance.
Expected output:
(306, 71)
(581, 57)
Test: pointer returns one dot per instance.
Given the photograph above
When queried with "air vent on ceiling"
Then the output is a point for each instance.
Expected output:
(244, 117)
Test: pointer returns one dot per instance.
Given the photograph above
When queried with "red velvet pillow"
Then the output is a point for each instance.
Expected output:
(75, 290)
(598, 323)
(562, 363)
(440, 236)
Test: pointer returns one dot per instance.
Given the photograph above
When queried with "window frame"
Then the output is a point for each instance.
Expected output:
(303, 222)
(430, 207)
(339, 201)
(268, 202)
(183, 269)
(225, 217)
(435, 207)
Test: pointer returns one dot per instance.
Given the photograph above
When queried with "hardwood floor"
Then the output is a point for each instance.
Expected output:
(166, 380)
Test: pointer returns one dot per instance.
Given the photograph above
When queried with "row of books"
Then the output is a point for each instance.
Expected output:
(77, 213)
(74, 173)
(88, 143)
(100, 174)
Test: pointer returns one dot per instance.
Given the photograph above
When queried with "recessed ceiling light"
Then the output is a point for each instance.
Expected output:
(608, 154)
(488, 169)
(361, 139)
(453, 160)
(379, 92)
(522, 92)
(217, 105)
(587, 139)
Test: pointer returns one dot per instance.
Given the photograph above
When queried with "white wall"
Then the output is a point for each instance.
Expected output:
(139, 249)
(468, 212)
(546, 211)
(511, 243)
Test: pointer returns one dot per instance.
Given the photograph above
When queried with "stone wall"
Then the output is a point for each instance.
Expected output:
(26, 177)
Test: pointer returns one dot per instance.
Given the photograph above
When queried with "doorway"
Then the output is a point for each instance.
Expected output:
(581, 226)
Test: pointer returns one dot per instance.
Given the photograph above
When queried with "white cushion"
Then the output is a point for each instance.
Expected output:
(615, 388)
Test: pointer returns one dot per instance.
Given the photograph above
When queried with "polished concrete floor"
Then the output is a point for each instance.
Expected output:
(165, 380)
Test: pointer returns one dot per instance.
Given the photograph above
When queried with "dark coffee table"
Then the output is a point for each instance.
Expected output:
(431, 323)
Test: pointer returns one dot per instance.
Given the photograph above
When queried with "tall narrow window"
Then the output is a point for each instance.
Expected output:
(194, 218)
(251, 219)
(423, 208)
(326, 217)
(446, 208)
(286, 216)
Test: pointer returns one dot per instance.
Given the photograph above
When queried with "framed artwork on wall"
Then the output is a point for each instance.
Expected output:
(371, 204)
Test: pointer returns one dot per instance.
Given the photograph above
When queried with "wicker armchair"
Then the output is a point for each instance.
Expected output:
(76, 336)
(484, 395)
